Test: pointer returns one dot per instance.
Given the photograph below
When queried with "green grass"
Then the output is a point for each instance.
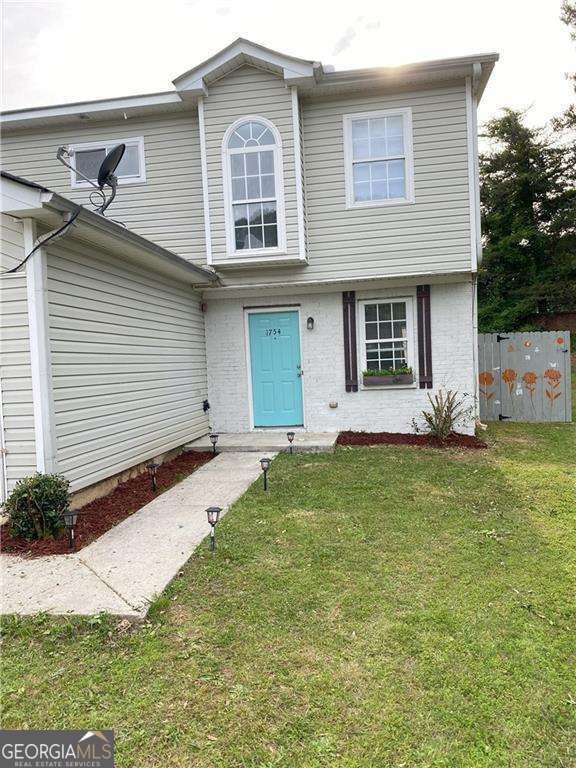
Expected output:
(378, 607)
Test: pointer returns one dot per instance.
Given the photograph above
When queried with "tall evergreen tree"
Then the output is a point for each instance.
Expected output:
(568, 119)
(529, 224)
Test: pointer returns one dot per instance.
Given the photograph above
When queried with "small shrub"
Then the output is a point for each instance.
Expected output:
(36, 505)
(447, 410)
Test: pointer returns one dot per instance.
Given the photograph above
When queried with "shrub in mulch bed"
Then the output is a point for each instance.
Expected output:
(100, 515)
(398, 438)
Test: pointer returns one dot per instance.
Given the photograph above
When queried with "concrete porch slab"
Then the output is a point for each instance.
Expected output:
(267, 442)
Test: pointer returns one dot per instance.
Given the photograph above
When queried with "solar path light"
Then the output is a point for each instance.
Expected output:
(213, 440)
(290, 436)
(213, 514)
(70, 519)
(265, 464)
(152, 469)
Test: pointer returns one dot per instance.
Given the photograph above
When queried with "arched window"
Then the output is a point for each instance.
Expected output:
(253, 171)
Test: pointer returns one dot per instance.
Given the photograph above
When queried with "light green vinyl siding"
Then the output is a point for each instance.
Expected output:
(431, 235)
(167, 208)
(128, 363)
(15, 372)
(248, 91)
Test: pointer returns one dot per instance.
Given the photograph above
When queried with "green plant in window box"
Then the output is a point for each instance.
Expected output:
(386, 377)
(36, 506)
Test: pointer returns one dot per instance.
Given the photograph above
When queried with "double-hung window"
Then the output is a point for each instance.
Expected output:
(87, 158)
(378, 156)
(387, 334)
(253, 183)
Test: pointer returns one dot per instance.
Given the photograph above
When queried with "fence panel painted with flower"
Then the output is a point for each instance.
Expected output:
(524, 376)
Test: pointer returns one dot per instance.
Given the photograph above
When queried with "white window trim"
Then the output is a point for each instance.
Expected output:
(410, 337)
(107, 145)
(280, 249)
(406, 114)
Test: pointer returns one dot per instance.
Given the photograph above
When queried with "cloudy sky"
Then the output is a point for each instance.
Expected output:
(57, 51)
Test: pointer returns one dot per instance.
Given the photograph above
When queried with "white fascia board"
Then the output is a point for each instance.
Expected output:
(20, 200)
(89, 107)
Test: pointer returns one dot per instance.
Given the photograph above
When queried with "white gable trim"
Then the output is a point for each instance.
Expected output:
(244, 52)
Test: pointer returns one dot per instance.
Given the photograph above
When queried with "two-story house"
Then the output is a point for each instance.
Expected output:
(337, 214)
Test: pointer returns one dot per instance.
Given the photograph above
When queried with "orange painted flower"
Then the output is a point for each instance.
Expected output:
(529, 378)
(552, 375)
(559, 340)
(509, 375)
(486, 378)
(528, 344)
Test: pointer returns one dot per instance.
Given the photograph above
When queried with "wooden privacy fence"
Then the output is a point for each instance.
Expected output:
(524, 376)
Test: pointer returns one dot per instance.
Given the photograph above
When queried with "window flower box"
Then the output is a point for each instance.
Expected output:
(402, 377)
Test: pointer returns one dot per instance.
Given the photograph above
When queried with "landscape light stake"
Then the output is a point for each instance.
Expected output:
(290, 436)
(70, 519)
(265, 464)
(213, 514)
(213, 440)
(152, 469)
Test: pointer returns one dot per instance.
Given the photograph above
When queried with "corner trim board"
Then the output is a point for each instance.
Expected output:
(204, 170)
(40, 364)
(298, 173)
(473, 178)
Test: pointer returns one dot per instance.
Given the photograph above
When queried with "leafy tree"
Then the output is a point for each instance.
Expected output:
(528, 194)
(568, 119)
(529, 224)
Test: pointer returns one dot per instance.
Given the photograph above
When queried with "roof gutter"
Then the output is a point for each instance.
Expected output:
(100, 223)
(69, 213)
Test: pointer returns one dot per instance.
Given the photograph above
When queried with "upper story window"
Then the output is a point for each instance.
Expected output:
(378, 156)
(88, 157)
(254, 187)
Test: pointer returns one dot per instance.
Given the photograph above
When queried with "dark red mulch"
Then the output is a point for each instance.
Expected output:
(100, 515)
(398, 438)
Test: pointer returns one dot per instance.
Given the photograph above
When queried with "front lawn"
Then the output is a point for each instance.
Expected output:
(389, 606)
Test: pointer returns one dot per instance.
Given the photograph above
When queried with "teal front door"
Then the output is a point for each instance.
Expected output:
(276, 369)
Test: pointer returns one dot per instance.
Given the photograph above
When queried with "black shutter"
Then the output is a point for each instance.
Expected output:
(350, 353)
(424, 337)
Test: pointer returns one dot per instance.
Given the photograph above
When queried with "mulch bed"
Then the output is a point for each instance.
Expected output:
(398, 438)
(100, 515)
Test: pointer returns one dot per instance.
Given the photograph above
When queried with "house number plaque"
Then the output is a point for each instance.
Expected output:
(273, 331)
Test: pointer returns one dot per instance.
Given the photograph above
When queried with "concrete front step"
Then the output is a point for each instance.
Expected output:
(262, 442)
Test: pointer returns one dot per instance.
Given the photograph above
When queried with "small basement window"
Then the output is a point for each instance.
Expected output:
(87, 158)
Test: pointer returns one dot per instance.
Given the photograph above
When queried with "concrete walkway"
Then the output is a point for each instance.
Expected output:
(127, 567)
(267, 441)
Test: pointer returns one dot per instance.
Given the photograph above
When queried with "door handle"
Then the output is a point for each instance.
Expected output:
(300, 373)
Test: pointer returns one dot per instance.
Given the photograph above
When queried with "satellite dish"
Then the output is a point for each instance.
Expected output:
(106, 177)
(109, 165)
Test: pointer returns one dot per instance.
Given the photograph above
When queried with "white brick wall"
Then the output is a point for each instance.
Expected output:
(323, 361)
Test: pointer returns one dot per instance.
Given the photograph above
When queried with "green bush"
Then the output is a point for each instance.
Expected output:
(36, 505)
(448, 409)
